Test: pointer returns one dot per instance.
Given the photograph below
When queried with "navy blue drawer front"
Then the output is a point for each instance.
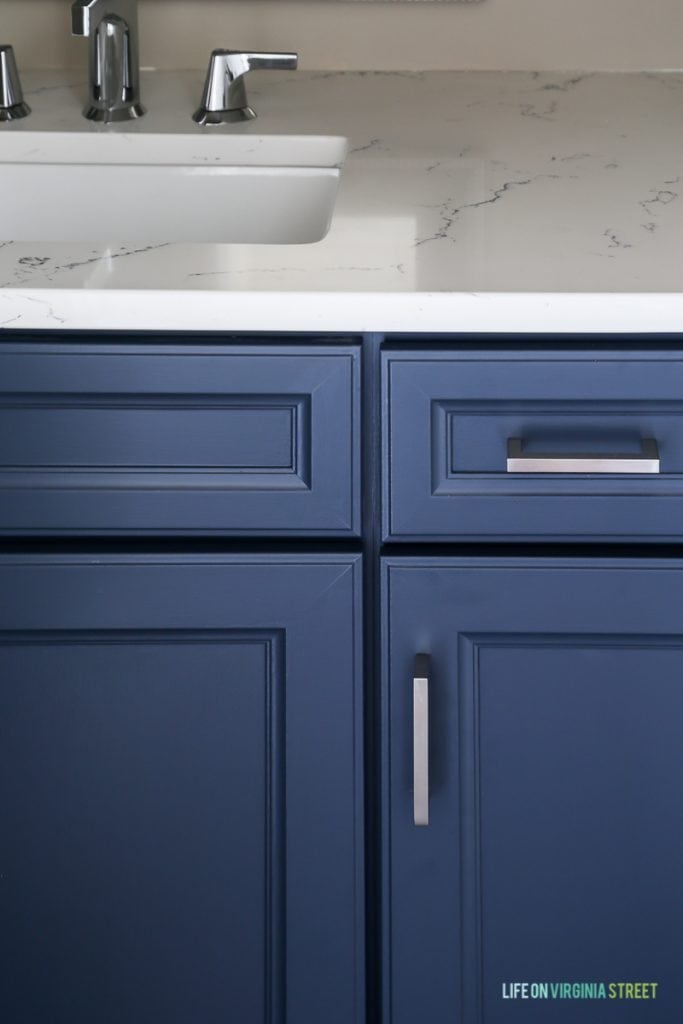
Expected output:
(179, 439)
(449, 418)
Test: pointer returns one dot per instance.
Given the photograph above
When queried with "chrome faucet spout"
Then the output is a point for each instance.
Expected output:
(114, 80)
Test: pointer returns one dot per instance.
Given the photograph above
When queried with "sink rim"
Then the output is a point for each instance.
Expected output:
(163, 149)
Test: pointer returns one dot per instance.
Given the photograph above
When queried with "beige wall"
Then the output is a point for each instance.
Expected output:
(511, 34)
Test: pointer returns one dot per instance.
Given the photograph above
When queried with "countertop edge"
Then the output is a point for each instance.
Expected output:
(359, 312)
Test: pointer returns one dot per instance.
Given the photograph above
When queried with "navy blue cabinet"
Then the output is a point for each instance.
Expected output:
(180, 789)
(551, 782)
(182, 730)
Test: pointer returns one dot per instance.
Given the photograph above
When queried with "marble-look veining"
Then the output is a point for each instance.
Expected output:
(470, 201)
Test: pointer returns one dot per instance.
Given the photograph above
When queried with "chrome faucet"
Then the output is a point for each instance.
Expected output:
(112, 26)
(12, 105)
(225, 97)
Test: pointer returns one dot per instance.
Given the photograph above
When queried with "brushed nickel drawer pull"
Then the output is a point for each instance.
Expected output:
(646, 461)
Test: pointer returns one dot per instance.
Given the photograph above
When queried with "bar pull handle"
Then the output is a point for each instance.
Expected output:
(421, 740)
(645, 461)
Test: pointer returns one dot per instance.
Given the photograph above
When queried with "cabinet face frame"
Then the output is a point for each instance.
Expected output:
(306, 610)
(462, 611)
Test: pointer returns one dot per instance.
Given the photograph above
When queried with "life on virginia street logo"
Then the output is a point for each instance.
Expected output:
(580, 989)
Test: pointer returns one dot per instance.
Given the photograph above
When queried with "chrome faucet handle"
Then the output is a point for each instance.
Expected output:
(12, 106)
(224, 99)
(112, 27)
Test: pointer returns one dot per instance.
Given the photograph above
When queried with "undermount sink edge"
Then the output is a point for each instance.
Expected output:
(125, 188)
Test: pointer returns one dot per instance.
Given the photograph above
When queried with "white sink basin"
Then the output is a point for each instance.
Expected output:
(145, 189)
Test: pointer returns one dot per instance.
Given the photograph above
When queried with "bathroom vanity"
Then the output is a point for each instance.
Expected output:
(340, 584)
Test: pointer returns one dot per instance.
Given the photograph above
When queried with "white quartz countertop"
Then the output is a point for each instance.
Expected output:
(469, 202)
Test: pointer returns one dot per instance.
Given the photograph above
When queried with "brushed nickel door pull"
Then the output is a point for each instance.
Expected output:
(421, 740)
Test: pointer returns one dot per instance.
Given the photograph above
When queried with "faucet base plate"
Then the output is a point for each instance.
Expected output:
(130, 112)
(212, 118)
(15, 112)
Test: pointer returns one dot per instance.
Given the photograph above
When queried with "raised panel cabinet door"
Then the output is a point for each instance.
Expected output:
(180, 790)
(533, 790)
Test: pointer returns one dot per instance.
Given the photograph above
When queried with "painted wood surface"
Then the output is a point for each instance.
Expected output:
(181, 789)
(448, 415)
(179, 439)
(555, 835)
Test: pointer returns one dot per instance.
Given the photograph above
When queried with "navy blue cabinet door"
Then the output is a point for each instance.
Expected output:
(180, 790)
(547, 884)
